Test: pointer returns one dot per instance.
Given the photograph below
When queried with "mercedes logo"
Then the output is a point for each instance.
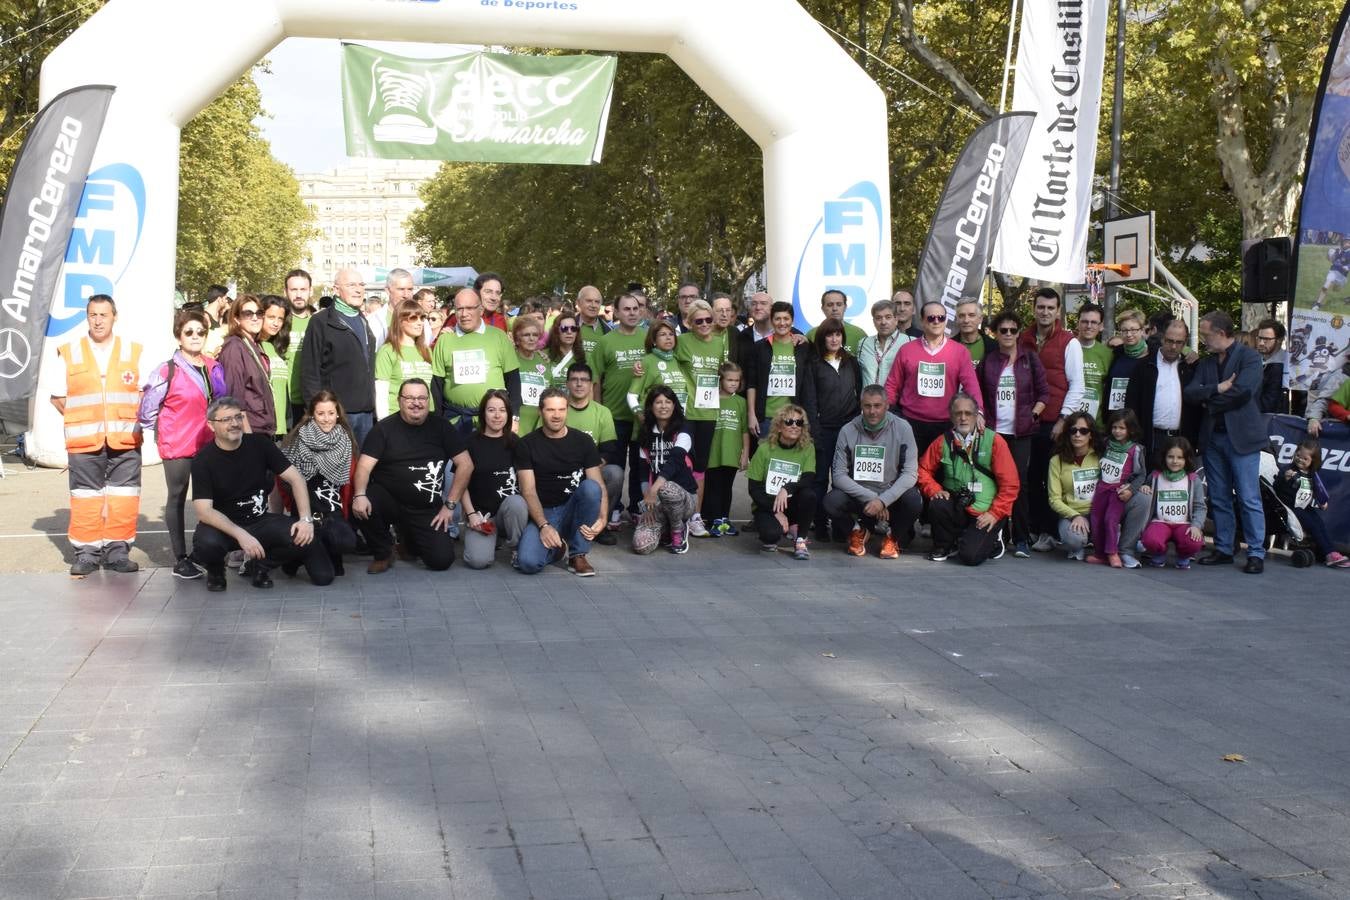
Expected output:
(15, 353)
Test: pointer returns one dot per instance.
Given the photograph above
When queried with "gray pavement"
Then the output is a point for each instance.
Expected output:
(722, 724)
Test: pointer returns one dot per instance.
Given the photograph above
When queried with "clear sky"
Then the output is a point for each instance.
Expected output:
(303, 95)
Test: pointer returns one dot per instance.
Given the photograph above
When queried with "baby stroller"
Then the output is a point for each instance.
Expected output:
(1283, 529)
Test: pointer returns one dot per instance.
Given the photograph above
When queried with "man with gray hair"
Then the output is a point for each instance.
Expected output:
(338, 353)
(876, 352)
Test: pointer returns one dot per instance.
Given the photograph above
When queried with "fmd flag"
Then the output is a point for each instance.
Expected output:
(40, 206)
(1060, 52)
(477, 107)
(967, 219)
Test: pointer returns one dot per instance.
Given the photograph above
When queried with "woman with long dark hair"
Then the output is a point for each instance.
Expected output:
(323, 450)
(831, 390)
(247, 371)
(1075, 470)
(665, 448)
(493, 507)
(276, 343)
(405, 353)
(564, 348)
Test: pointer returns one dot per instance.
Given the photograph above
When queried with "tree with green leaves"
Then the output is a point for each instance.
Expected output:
(240, 215)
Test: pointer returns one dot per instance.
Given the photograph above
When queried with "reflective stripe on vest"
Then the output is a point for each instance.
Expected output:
(101, 408)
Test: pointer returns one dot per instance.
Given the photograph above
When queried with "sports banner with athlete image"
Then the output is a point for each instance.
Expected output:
(966, 223)
(41, 201)
(1318, 336)
(476, 107)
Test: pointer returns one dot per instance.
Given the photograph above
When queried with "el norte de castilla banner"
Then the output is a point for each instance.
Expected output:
(42, 199)
(476, 107)
(1060, 54)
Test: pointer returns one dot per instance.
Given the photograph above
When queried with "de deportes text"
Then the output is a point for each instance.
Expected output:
(529, 4)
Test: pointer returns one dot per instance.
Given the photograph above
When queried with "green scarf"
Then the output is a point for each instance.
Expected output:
(1137, 350)
(1175, 476)
(1115, 446)
(343, 308)
(663, 355)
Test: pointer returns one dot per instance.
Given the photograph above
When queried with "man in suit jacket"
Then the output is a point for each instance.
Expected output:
(1156, 391)
(1227, 384)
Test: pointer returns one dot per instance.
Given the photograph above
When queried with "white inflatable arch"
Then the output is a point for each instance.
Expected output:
(820, 121)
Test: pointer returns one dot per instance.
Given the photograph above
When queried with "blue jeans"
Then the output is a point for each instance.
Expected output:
(582, 508)
(362, 423)
(1227, 472)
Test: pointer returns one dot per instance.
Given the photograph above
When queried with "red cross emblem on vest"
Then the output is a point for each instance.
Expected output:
(128, 378)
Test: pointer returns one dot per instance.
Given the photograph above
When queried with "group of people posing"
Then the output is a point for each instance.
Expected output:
(302, 435)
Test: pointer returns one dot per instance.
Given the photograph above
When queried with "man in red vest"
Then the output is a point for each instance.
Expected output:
(103, 442)
(1054, 344)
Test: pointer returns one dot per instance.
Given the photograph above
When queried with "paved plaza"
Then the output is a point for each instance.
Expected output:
(722, 724)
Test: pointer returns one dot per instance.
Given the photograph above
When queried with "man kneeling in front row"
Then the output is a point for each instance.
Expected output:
(231, 479)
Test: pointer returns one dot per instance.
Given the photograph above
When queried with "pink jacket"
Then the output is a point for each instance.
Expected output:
(908, 388)
(177, 411)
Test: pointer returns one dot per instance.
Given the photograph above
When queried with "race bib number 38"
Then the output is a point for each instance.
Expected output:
(781, 472)
(532, 384)
(869, 462)
(932, 379)
(470, 367)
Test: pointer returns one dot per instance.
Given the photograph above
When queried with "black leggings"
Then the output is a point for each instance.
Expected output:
(801, 510)
(177, 476)
(717, 488)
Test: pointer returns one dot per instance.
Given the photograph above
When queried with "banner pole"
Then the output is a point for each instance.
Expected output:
(1007, 57)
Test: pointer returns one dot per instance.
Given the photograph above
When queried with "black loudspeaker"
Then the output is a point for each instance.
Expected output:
(1266, 275)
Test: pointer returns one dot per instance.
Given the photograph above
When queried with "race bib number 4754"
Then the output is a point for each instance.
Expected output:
(781, 473)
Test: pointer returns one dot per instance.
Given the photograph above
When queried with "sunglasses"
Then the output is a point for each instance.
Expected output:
(794, 423)
(567, 329)
(249, 314)
(704, 320)
(1008, 330)
(935, 319)
(1080, 430)
(193, 332)
(415, 318)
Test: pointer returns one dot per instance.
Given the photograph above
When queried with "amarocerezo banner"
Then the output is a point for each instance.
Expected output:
(957, 250)
(1060, 54)
(1318, 336)
(476, 107)
(1287, 432)
(41, 202)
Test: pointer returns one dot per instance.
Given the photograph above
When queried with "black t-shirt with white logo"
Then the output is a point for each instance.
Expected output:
(559, 464)
(494, 472)
(412, 459)
(238, 481)
(325, 498)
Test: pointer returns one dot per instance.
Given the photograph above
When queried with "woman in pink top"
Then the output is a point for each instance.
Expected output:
(926, 375)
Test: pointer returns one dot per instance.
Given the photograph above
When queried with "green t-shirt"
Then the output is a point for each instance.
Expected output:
(595, 420)
(782, 386)
(279, 378)
(557, 371)
(472, 363)
(776, 466)
(700, 360)
(534, 377)
(656, 370)
(728, 432)
(975, 349)
(1096, 363)
(590, 338)
(298, 328)
(614, 364)
(398, 367)
(853, 336)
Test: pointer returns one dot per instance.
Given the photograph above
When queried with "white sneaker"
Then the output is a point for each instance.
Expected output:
(1044, 544)
(615, 519)
(696, 526)
(234, 559)
(1077, 554)
(1128, 561)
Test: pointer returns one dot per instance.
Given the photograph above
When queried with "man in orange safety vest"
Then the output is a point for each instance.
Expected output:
(103, 442)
